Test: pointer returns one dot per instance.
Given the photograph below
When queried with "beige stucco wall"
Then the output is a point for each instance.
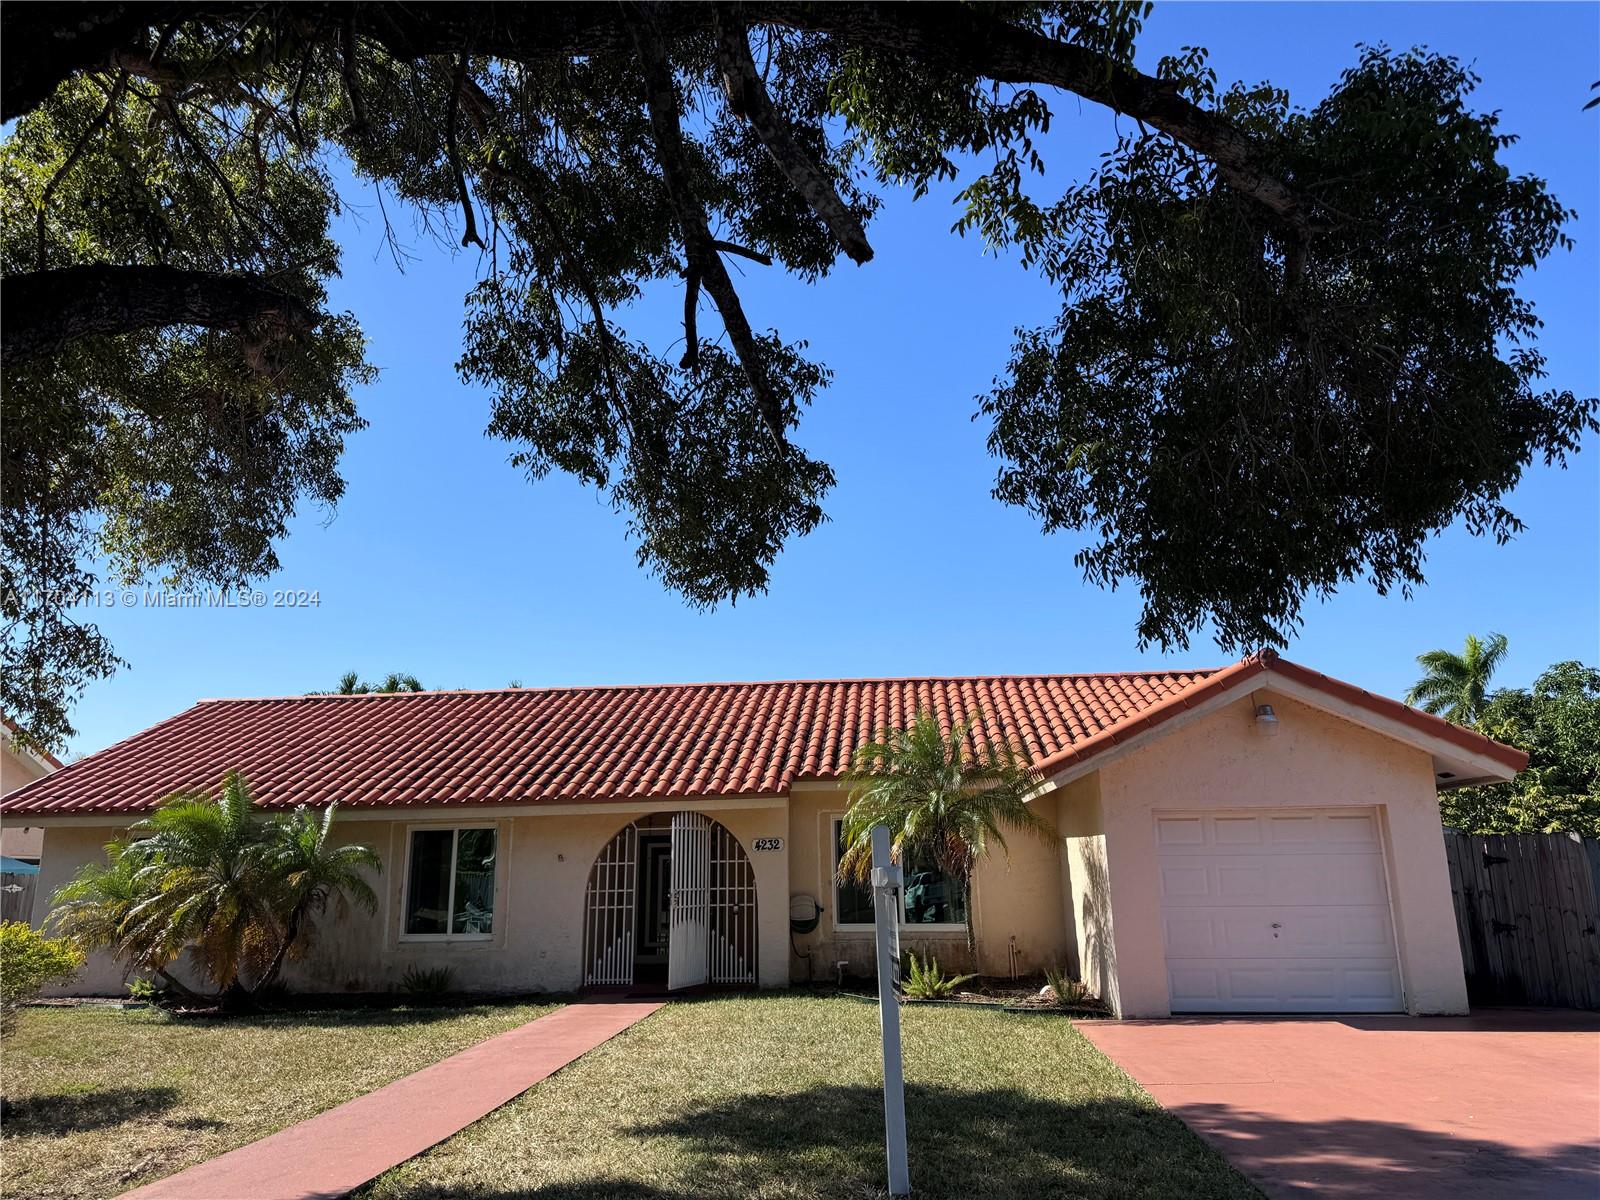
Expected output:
(17, 838)
(543, 870)
(1224, 760)
(1016, 894)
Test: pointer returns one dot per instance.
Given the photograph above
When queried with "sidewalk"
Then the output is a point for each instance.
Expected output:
(328, 1155)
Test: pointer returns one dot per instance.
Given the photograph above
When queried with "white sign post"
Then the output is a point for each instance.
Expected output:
(886, 918)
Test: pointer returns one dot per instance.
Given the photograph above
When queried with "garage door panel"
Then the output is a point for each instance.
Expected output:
(1278, 932)
(1326, 878)
(1247, 986)
(1277, 911)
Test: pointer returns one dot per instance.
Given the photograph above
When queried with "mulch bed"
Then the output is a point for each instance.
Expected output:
(1010, 995)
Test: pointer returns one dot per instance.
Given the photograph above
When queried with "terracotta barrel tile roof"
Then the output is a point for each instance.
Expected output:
(567, 745)
(583, 745)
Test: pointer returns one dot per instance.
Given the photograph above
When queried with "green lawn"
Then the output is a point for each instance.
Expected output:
(778, 1096)
(101, 1100)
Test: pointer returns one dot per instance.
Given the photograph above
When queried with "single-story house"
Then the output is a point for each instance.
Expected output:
(1259, 837)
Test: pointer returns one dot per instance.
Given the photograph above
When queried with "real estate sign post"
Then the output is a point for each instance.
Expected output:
(886, 919)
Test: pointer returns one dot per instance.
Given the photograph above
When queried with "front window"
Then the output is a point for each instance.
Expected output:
(450, 888)
(930, 897)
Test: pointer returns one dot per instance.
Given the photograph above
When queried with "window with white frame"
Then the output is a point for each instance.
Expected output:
(929, 897)
(450, 882)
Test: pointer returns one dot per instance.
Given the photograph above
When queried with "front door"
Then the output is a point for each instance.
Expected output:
(688, 943)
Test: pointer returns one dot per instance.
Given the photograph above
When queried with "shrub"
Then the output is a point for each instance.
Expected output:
(28, 961)
(427, 981)
(925, 981)
(1063, 989)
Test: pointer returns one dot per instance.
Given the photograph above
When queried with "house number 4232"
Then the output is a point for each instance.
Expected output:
(769, 843)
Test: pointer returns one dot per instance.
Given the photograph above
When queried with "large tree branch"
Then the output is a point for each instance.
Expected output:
(47, 310)
(966, 39)
(705, 262)
(41, 48)
(747, 96)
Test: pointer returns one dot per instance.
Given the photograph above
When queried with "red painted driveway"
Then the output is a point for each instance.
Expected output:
(1502, 1105)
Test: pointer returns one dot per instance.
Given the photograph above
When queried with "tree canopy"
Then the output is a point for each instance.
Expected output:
(1557, 722)
(1290, 344)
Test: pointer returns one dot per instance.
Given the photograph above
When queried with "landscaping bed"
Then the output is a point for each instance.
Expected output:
(1013, 995)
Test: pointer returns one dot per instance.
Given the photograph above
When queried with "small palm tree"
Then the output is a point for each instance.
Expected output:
(96, 911)
(312, 871)
(1456, 686)
(940, 803)
(206, 864)
(219, 878)
(395, 681)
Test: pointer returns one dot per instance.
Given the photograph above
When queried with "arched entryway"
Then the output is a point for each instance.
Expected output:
(671, 901)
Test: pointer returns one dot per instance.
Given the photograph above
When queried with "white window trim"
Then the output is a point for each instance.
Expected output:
(834, 820)
(405, 887)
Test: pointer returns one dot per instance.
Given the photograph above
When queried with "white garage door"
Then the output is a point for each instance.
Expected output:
(1283, 910)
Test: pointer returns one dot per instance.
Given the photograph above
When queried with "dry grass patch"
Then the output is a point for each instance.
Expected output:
(778, 1097)
(101, 1100)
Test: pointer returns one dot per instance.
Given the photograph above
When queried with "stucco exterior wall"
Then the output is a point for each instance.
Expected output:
(1225, 760)
(17, 838)
(543, 865)
(1015, 895)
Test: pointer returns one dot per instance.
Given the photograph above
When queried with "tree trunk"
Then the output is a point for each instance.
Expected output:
(972, 937)
(290, 933)
(182, 990)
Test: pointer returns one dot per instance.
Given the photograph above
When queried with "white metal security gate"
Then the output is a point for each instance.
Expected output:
(689, 941)
(608, 908)
(733, 910)
(712, 923)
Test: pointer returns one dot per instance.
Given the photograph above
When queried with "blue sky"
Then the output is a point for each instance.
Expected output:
(443, 561)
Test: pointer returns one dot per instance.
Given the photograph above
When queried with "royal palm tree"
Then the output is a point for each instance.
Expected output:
(941, 803)
(1456, 686)
(313, 871)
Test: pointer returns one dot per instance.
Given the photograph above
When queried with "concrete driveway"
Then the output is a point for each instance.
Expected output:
(1501, 1105)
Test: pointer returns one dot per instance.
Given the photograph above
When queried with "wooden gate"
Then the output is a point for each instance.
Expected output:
(1528, 913)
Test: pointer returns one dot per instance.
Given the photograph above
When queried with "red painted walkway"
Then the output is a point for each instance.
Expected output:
(1502, 1105)
(337, 1151)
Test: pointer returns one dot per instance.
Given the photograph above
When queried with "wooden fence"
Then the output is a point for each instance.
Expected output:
(16, 897)
(1528, 912)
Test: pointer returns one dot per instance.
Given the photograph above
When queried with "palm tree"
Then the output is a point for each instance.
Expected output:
(219, 878)
(210, 883)
(1456, 686)
(95, 910)
(940, 803)
(314, 871)
(395, 681)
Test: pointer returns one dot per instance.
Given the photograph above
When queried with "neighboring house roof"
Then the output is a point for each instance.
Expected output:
(573, 745)
(44, 757)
